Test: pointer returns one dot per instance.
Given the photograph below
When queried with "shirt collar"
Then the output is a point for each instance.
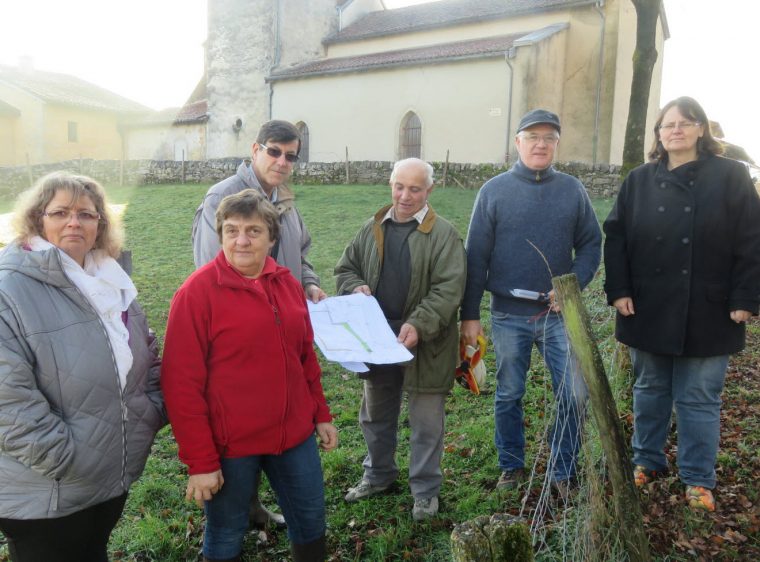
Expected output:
(419, 216)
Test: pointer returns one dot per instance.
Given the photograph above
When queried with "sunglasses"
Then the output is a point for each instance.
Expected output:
(276, 153)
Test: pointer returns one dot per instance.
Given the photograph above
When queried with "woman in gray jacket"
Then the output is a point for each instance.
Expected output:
(80, 401)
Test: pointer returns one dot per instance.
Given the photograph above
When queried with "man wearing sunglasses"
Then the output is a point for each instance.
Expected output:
(528, 225)
(273, 155)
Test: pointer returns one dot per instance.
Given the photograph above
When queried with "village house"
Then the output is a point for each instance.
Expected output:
(49, 117)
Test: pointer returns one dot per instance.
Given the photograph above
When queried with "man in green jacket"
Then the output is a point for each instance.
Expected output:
(412, 260)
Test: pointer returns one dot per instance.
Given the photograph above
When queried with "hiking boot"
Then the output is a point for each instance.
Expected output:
(643, 475)
(364, 489)
(425, 508)
(565, 489)
(511, 479)
(699, 497)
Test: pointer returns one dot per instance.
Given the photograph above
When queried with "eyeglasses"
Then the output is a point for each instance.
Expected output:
(64, 215)
(535, 139)
(276, 153)
(683, 125)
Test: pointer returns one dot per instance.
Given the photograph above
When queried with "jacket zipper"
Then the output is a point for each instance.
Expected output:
(122, 403)
(278, 323)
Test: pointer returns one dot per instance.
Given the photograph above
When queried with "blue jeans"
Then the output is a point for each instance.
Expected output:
(693, 385)
(513, 338)
(295, 477)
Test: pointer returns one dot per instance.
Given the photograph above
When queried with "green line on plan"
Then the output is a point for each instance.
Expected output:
(361, 341)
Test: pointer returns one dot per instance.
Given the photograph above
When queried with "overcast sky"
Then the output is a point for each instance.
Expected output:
(151, 50)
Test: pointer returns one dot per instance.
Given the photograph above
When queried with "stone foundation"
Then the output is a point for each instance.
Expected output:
(602, 181)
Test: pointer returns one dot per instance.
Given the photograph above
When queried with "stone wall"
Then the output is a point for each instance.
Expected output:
(601, 181)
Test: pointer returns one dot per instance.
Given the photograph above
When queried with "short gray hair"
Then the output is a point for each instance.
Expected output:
(408, 161)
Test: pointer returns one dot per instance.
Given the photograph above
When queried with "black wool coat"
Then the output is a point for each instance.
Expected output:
(685, 246)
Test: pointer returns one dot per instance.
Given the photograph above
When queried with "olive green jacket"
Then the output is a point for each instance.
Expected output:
(436, 287)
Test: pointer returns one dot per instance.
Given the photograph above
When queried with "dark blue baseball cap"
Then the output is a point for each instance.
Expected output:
(539, 117)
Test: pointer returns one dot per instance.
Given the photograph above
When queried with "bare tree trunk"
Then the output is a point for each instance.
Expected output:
(644, 58)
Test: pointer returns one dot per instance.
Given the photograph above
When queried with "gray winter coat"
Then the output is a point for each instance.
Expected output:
(70, 437)
(295, 240)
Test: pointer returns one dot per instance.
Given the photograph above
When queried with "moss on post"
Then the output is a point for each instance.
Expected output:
(625, 496)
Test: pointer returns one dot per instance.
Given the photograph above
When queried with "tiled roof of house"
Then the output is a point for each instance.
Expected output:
(195, 112)
(442, 14)
(64, 89)
(8, 109)
(477, 48)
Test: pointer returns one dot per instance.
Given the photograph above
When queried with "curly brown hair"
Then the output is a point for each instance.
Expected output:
(27, 218)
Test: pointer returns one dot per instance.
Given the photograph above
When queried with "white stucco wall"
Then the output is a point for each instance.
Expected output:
(165, 142)
(464, 32)
(462, 107)
(626, 44)
(29, 141)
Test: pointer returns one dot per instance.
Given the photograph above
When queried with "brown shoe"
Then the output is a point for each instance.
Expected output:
(565, 489)
(511, 479)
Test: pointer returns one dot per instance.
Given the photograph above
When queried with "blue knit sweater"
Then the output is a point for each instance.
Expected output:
(524, 229)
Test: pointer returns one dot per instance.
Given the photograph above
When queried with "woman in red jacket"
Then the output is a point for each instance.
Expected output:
(242, 386)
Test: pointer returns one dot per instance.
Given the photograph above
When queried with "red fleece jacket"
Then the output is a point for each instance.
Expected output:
(239, 372)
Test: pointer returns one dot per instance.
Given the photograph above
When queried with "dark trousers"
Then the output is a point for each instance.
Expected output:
(79, 537)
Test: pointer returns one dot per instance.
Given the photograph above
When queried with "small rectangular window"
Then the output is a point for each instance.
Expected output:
(73, 133)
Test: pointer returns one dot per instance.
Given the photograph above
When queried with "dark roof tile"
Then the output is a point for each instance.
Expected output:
(68, 90)
(477, 48)
(442, 14)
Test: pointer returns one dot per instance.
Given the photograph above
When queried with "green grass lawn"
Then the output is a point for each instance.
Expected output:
(158, 525)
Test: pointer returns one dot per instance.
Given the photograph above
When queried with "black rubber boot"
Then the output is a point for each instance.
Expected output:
(259, 516)
(314, 551)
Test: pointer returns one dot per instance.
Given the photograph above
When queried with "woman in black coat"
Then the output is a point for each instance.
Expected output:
(682, 260)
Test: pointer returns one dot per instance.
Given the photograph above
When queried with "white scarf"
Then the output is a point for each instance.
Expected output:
(110, 291)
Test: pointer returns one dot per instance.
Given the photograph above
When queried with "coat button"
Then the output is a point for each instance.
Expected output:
(685, 240)
(663, 185)
(658, 270)
(691, 183)
(661, 209)
(659, 238)
(685, 271)
(687, 209)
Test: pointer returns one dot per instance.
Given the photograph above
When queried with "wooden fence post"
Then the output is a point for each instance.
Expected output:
(29, 170)
(348, 177)
(625, 496)
(446, 168)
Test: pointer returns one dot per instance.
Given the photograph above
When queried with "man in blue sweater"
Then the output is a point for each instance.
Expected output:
(528, 225)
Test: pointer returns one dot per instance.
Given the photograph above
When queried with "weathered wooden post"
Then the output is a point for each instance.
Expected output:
(446, 168)
(625, 497)
(348, 177)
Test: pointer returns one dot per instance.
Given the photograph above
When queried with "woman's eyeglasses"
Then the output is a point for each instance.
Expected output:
(276, 153)
(683, 125)
(64, 215)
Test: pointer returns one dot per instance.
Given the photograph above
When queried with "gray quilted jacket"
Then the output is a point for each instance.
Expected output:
(70, 437)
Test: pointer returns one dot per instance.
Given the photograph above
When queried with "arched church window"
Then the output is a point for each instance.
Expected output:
(411, 136)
